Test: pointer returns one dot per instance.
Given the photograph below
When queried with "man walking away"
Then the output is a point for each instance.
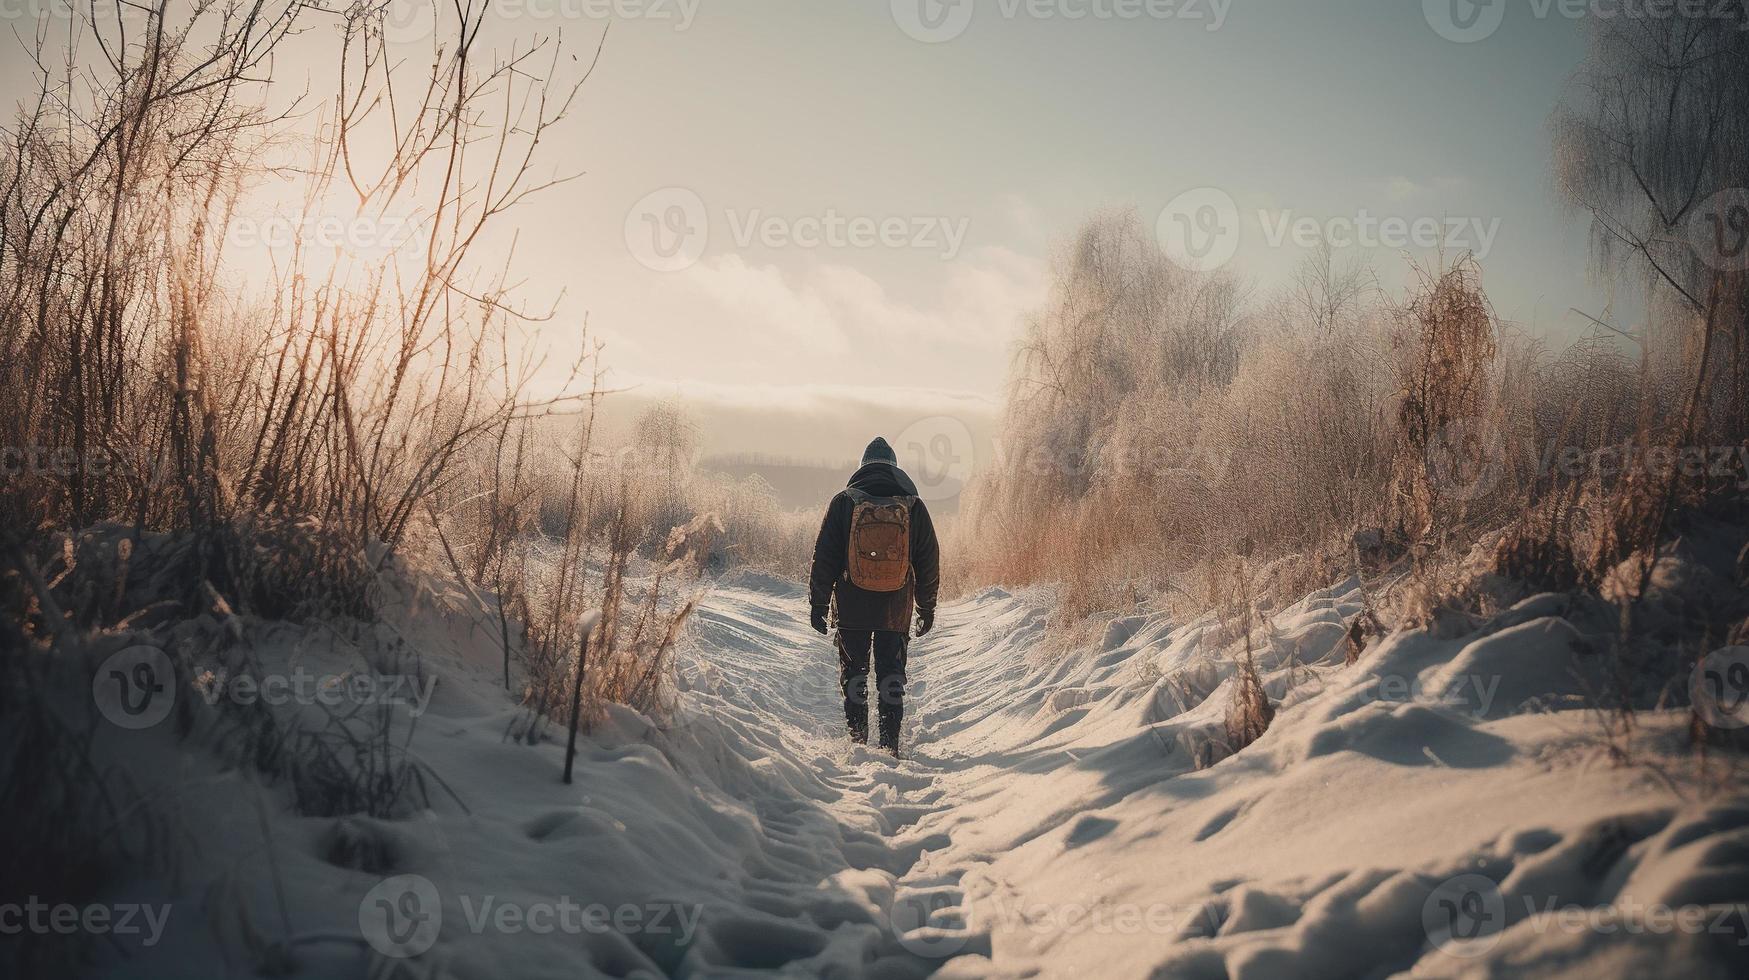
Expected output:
(875, 558)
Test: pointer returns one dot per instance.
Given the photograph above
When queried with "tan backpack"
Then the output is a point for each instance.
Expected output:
(880, 542)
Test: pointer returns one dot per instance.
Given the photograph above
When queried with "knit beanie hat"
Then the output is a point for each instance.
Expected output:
(879, 452)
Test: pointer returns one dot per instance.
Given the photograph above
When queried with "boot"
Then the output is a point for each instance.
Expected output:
(891, 717)
(856, 710)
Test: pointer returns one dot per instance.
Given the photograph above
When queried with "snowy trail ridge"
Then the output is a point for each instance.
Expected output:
(1437, 808)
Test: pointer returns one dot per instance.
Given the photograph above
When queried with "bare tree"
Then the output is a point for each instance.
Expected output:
(1326, 294)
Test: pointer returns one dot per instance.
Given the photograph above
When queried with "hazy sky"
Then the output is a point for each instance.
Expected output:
(917, 188)
(1015, 130)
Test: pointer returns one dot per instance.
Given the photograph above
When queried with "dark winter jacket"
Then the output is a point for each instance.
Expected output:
(859, 608)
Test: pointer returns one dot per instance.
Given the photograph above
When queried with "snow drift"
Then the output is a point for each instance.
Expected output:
(1441, 807)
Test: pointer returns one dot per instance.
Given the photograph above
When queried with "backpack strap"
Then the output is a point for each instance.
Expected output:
(863, 497)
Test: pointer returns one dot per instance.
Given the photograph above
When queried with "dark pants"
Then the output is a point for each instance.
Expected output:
(889, 667)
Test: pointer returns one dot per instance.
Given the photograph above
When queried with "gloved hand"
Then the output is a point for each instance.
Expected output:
(817, 619)
(925, 621)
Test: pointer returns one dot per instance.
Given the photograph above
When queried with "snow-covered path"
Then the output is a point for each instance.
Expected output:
(856, 814)
(1050, 816)
(1441, 806)
(853, 872)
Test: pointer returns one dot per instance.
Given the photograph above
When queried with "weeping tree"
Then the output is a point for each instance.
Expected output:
(1653, 144)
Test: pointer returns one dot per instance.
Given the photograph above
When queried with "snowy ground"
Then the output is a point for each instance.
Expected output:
(1443, 807)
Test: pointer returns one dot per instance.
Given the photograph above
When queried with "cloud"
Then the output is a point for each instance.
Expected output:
(1027, 219)
(1402, 188)
(762, 295)
(831, 308)
(824, 421)
(810, 358)
(807, 398)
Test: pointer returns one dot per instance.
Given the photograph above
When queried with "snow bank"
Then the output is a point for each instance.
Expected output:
(1439, 808)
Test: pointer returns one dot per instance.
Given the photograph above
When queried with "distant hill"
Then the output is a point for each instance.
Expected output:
(809, 483)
